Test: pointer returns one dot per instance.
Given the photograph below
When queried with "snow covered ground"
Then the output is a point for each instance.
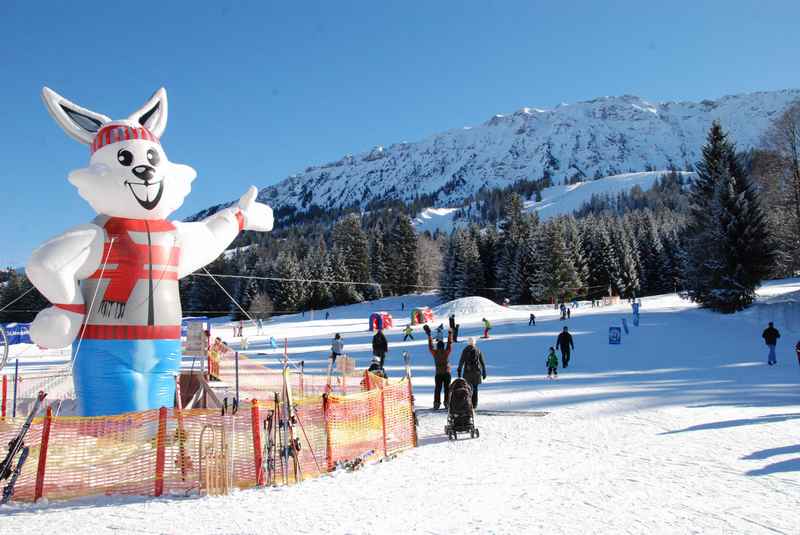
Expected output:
(682, 428)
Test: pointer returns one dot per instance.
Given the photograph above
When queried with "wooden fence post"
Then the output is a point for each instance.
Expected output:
(182, 457)
(413, 416)
(48, 419)
(383, 421)
(257, 453)
(160, 453)
(5, 394)
(328, 440)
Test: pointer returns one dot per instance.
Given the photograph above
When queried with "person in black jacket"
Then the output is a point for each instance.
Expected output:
(454, 327)
(380, 346)
(770, 336)
(473, 368)
(565, 343)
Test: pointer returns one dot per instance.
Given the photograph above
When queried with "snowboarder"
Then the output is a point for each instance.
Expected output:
(552, 364)
(486, 327)
(337, 347)
(770, 336)
(565, 343)
(473, 368)
(532, 320)
(380, 346)
(441, 357)
(408, 332)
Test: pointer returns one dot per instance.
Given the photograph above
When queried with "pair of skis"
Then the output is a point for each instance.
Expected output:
(281, 440)
(9, 470)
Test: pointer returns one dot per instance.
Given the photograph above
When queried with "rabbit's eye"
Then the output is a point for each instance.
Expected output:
(125, 157)
(153, 157)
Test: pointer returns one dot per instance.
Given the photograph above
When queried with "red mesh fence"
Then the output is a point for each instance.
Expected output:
(154, 452)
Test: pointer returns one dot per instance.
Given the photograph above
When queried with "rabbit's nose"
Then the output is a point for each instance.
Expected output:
(145, 172)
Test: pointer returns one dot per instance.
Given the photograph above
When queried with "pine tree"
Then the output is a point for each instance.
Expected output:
(574, 240)
(559, 279)
(488, 242)
(288, 292)
(343, 293)
(320, 294)
(471, 269)
(403, 269)
(513, 234)
(727, 250)
(351, 241)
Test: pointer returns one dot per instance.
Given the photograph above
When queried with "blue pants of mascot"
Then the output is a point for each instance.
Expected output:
(116, 376)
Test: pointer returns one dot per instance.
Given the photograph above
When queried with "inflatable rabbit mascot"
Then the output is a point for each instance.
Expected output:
(113, 283)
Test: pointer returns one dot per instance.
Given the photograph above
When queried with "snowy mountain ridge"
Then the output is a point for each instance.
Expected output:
(581, 141)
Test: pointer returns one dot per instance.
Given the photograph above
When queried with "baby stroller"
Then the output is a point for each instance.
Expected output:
(460, 415)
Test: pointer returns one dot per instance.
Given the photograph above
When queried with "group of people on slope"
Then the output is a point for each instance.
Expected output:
(471, 366)
(565, 343)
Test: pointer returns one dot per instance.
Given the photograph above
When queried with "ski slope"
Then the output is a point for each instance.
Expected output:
(556, 200)
(565, 199)
(682, 428)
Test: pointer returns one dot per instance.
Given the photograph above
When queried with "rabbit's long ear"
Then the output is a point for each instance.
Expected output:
(79, 123)
(153, 115)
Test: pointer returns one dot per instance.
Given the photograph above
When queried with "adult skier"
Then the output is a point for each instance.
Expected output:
(770, 336)
(441, 357)
(472, 368)
(532, 320)
(565, 343)
(380, 346)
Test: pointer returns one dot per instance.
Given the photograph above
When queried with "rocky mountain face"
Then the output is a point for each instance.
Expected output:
(581, 141)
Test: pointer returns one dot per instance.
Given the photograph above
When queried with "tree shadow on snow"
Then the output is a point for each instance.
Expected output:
(766, 419)
(792, 465)
(771, 452)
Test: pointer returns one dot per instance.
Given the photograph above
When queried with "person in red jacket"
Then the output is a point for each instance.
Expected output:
(441, 356)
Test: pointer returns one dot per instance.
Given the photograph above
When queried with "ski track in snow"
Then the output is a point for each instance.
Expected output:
(680, 429)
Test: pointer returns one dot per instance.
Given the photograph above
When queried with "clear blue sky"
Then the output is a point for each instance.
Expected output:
(259, 90)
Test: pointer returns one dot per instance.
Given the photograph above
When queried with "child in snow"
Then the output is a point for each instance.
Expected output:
(552, 363)
(408, 333)
(337, 347)
(486, 327)
(440, 333)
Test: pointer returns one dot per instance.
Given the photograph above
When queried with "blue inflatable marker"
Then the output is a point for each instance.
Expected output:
(614, 335)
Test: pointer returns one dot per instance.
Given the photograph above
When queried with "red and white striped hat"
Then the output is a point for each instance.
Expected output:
(115, 132)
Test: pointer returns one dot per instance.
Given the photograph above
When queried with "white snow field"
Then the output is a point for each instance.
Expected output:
(682, 428)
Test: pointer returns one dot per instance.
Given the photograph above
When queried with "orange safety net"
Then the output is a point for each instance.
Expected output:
(258, 381)
(155, 452)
